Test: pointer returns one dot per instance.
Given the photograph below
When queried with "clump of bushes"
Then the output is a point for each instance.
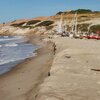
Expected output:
(59, 13)
(33, 22)
(83, 27)
(18, 25)
(79, 11)
(45, 23)
(95, 28)
(29, 23)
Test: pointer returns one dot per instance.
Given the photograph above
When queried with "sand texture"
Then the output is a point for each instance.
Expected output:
(22, 82)
(75, 72)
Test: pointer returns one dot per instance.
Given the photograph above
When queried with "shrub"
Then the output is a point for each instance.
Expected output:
(32, 22)
(45, 23)
(59, 13)
(95, 28)
(81, 11)
(18, 25)
(83, 27)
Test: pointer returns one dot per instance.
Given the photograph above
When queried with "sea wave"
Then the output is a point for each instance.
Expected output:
(14, 51)
(2, 62)
(11, 45)
(6, 38)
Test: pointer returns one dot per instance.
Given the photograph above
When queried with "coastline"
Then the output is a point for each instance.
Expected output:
(67, 74)
(23, 80)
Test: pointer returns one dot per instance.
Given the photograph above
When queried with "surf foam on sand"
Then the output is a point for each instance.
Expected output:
(14, 49)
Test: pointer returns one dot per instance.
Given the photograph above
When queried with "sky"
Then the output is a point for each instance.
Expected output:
(18, 9)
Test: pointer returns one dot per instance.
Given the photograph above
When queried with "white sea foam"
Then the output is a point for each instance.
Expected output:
(6, 38)
(5, 61)
(11, 45)
(13, 50)
(2, 62)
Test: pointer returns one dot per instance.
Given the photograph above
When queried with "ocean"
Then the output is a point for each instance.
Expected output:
(13, 50)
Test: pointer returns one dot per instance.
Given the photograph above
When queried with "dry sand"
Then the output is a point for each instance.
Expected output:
(75, 72)
(21, 83)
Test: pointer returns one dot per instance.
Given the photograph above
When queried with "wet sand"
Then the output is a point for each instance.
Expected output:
(21, 83)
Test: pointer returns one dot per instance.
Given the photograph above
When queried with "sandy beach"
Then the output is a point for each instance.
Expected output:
(75, 72)
(21, 83)
(49, 50)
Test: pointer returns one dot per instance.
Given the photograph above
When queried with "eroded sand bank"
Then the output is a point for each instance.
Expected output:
(72, 75)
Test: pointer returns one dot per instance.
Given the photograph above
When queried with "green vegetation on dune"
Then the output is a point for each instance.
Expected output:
(45, 23)
(79, 11)
(33, 22)
(59, 13)
(95, 28)
(18, 24)
(83, 27)
(83, 15)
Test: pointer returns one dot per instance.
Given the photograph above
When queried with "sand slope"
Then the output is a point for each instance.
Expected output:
(72, 75)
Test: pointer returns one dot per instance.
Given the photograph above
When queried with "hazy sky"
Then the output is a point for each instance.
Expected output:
(16, 9)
